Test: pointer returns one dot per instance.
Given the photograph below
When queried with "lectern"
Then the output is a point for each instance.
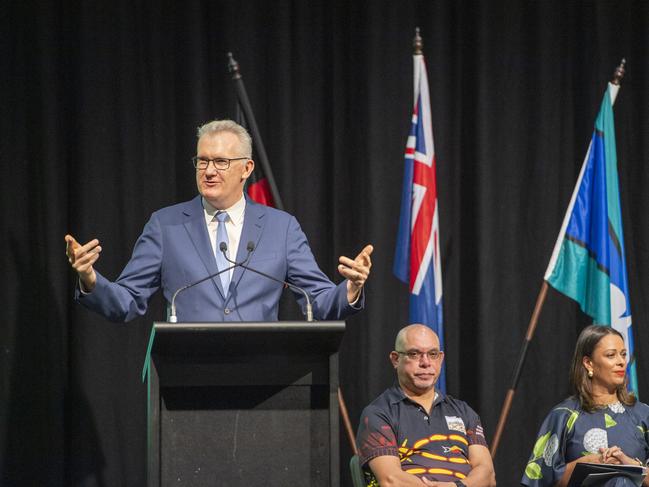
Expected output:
(243, 404)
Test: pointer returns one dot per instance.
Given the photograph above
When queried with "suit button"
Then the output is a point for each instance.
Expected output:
(227, 311)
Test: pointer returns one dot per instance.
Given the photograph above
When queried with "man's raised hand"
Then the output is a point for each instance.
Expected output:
(356, 271)
(82, 258)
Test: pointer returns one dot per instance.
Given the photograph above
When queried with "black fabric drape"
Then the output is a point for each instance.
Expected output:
(100, 101)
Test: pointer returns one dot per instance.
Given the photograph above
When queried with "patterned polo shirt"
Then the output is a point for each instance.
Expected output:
(434, 445)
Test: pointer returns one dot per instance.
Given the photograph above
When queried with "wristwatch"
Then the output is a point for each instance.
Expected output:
(459, 483)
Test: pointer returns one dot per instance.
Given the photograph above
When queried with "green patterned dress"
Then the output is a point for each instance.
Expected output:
(568, 433)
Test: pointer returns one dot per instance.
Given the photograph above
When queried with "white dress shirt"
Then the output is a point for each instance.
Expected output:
(233, 225)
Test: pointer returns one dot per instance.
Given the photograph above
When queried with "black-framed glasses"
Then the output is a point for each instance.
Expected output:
(220, 163)
(417, 355)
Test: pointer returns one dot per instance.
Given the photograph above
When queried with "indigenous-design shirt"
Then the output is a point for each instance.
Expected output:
(435, 445)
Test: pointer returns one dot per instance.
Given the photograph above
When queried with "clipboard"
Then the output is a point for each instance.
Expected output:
(593, 474)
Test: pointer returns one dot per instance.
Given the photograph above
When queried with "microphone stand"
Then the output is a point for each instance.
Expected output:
(172, 315)
(250, 247)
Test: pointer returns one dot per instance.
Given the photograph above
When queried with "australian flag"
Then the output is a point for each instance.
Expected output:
(417, 259)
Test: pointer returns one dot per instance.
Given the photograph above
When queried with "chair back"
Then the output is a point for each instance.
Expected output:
(358, 478)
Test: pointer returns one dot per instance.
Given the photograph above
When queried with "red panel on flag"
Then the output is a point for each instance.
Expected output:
(259, 191)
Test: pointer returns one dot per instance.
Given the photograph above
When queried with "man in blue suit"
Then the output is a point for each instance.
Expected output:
(185, 243)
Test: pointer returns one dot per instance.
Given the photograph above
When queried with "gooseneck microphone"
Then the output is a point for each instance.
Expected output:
(172, 315)
(250, 247)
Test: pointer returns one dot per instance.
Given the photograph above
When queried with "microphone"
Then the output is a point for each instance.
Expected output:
(172, 315)
(250, 247)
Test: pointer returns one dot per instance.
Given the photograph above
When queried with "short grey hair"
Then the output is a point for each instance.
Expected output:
(217, 126)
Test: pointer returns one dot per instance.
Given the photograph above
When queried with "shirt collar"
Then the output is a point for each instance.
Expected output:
(235, 212)
(396, 395)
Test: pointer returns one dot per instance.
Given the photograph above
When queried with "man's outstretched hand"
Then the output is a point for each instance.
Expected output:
(356, 272)
(81, 259)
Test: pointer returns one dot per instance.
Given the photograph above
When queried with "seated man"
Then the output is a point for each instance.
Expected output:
(414, 435)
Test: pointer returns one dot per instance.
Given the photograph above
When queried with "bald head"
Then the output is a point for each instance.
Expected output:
(407, 333)
(417, 359)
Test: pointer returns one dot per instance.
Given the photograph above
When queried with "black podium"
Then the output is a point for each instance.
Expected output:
(243, 404)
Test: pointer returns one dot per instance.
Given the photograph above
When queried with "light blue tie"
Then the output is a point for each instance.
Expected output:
(221, 262)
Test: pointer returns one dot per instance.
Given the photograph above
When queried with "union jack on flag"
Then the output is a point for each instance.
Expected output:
(417, 259)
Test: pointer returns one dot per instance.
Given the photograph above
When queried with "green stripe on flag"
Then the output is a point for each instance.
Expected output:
(605, 123)
(577, 275)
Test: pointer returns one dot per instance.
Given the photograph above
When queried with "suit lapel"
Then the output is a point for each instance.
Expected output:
(197, 231)
(253, 226)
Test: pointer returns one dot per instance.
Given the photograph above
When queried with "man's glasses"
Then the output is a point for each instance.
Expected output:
(220, 164)
(417, 355)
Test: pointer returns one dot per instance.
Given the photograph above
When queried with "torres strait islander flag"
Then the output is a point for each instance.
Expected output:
(588, 263)
(417, 259)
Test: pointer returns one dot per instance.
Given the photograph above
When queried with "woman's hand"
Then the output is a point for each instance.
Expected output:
(614, 455)
(591, 458)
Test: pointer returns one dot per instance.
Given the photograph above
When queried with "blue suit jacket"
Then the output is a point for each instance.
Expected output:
(174, 250)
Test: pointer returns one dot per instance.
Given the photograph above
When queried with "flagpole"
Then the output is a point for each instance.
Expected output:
(417, 43)
(618, 74)
(509, 398)
(348, 425)
(244, 103)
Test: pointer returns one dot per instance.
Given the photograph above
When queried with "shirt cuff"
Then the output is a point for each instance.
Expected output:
(355, 304)
(365, 457)
(82, 290)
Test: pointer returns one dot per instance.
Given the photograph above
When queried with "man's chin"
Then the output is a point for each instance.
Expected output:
(425, 385)
(210, 191)
(210, 194)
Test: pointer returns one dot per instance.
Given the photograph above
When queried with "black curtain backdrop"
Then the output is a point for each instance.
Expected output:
(99, 106)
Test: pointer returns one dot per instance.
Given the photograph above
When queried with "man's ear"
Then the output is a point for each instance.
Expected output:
(394, 358)
(250, 166)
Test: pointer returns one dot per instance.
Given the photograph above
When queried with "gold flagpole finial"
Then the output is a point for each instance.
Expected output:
(619, 72)
(417, 43)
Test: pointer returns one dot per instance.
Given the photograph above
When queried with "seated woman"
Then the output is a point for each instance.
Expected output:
(601, 423)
